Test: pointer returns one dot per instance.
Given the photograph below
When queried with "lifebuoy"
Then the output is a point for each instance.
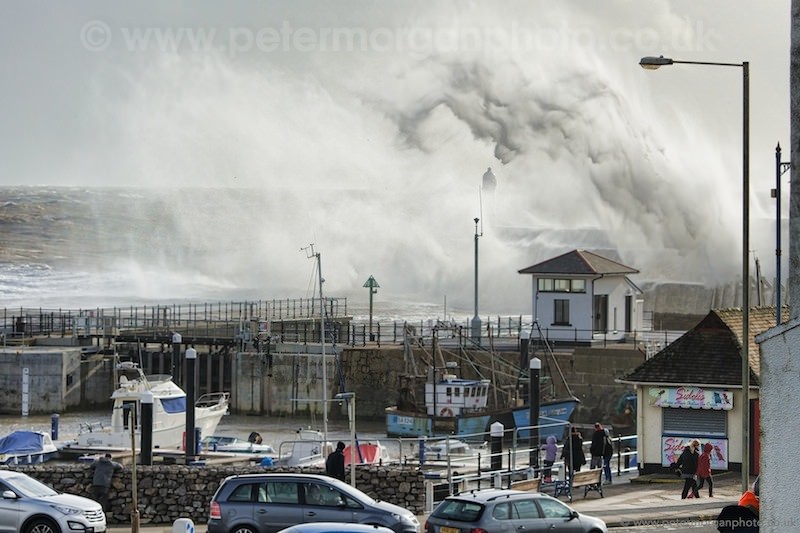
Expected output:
(446, 412)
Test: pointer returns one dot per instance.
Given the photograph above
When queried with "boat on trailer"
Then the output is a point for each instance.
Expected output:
(169, 412)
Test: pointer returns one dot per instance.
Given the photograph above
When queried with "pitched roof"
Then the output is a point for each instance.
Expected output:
(709, 353)
(579, 262)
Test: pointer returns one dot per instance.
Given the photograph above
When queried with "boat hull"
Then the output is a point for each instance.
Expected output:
(411, 424)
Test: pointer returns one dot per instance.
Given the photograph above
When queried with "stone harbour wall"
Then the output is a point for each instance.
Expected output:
(166, 493)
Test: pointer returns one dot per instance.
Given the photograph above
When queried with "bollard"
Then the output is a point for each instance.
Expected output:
(496, 432)
(183, 525)
(54, 418)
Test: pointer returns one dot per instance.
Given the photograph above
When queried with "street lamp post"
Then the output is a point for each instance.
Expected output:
(780, 168)
(476, 320)
(652, 63)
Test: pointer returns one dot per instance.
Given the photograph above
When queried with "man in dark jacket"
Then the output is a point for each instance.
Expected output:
(334, 464)
(596, 448)
(687, 463)
(104, 469)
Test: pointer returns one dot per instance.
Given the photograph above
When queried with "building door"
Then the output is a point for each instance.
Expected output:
(600, 313)
(628, 312)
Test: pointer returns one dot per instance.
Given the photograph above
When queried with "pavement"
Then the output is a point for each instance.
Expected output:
(631, 500)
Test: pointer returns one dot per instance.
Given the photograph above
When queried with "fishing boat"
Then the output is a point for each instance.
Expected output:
(169, 412)
(26, 448)
(460, 407)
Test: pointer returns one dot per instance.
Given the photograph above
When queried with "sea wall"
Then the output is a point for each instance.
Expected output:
(166, 493)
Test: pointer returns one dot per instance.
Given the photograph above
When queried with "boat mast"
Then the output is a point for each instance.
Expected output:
(316, 255)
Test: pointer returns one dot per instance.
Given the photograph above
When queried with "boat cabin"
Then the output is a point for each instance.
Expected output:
(452, 396)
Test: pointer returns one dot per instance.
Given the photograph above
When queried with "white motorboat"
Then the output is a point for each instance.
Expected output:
(309, 449)
(232, 444)
(446, 447)
(26, 448)
(169, 412)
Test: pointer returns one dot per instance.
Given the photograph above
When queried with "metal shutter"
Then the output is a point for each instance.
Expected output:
(708, 422)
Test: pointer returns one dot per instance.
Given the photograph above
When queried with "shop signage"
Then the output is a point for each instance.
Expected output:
(672, 447)
(691, 398)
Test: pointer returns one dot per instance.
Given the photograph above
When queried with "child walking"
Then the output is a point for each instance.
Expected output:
(704, 469)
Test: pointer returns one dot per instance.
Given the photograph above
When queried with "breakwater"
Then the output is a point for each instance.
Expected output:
(166, 493)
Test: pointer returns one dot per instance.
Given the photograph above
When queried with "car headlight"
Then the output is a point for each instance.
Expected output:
(66, 510)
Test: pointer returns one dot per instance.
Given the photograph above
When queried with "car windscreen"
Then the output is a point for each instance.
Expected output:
(461, 510)
(27, 486)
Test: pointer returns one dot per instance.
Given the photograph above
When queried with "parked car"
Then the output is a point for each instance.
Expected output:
(335, 527)
(504, 510)
(30, 506)
(270, 502)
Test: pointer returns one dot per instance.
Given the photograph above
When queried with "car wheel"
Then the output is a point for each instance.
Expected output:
(243, 529)
(42, 525)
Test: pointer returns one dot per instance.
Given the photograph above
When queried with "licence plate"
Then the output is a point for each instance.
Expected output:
(445, 529)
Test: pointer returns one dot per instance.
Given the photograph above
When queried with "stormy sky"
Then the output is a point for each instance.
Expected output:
(375, 122)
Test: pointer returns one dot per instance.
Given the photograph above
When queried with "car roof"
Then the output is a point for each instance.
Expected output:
(335, 527)
(8, 474)
(268, 475)
(488, 495)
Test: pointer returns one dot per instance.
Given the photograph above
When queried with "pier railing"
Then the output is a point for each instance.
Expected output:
(297, 321)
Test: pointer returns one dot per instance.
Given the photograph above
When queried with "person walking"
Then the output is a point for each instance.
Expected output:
(704, 470)
(608, 453)
(334, 464)
(550, 449)
(572, 452)
(687, 463)
(596, 448)
(104, 469)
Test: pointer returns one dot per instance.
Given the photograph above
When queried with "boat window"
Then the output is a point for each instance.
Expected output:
(448, 391)
(174, 405)
(457, 391)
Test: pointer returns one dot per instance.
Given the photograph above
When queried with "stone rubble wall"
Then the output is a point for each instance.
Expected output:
(166, 493)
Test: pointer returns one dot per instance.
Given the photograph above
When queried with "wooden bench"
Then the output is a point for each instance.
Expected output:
(588, 479)
(531, 485)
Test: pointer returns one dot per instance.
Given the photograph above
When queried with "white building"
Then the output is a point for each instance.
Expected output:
(581, 296)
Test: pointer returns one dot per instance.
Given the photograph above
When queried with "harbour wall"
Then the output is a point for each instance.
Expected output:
(166, 493)
(290, 381)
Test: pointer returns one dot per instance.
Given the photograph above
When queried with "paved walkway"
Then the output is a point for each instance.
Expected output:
(630, 501)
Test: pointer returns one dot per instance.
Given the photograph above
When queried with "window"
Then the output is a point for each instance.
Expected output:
(561, 312)
(526, 509)
(282, 492)
(554, 508)
(561, 285)
(243, 493)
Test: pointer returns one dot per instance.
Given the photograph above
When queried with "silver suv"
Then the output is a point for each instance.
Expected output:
(266, 503)
(30, 506)
(503, 510)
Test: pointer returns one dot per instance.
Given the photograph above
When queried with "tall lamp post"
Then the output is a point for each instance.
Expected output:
(373, 287)
(652, 63)
(780, 168)
(476, 320)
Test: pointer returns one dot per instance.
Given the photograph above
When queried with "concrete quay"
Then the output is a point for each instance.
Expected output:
(631, 500)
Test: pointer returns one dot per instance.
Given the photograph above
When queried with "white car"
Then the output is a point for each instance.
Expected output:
(30, 506)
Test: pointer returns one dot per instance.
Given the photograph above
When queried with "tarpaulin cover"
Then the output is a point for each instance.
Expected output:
(22, 442)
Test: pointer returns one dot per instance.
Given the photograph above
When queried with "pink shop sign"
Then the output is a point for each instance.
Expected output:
(672, 447)
(691, 398)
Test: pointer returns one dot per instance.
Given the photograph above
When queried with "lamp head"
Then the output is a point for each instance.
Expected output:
(652, 63)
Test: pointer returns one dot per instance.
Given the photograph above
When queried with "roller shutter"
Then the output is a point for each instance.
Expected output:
(705, 422)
